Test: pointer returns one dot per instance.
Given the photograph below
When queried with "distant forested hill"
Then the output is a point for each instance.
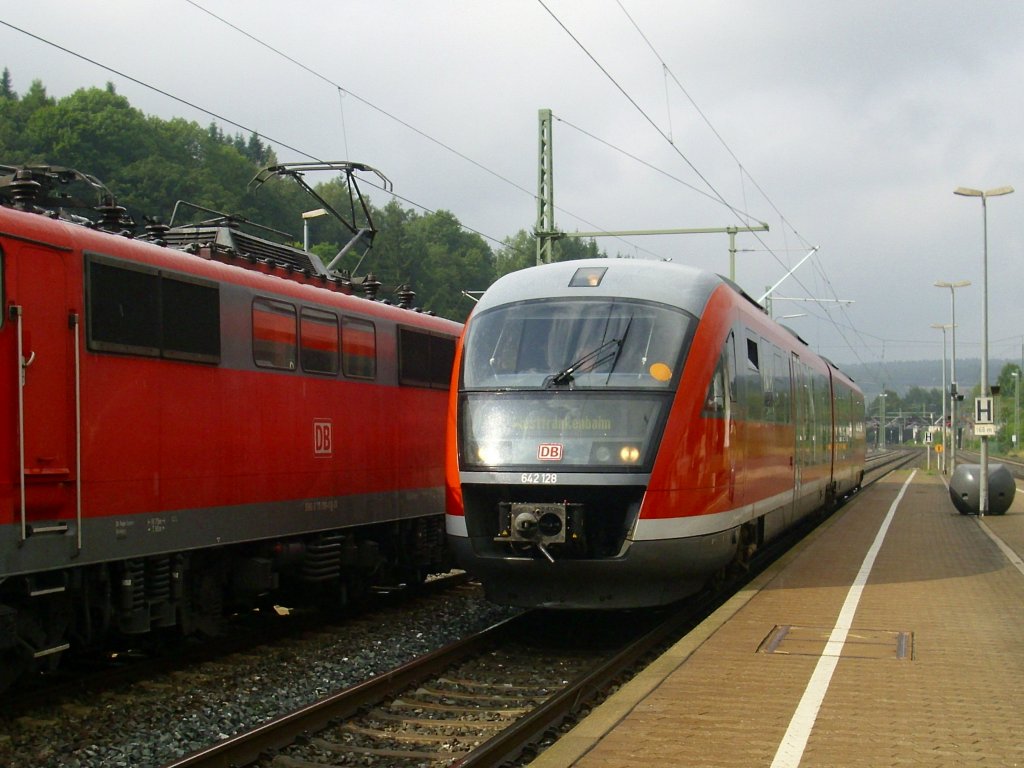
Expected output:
(901, 376)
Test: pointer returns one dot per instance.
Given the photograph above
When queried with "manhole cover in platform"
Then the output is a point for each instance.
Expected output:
(792, 640)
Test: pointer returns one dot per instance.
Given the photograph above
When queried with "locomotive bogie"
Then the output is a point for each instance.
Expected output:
(668, 413)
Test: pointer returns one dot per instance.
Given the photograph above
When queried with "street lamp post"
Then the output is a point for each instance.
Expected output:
(952, 394)
(1016, 408)
(985, 392)
(881, 423)
(945, 442)
(305, 225)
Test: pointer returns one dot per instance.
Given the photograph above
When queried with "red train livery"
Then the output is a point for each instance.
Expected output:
(621, 430)
(195, 422)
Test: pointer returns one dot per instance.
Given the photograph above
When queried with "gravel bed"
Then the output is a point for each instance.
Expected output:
(154, 722)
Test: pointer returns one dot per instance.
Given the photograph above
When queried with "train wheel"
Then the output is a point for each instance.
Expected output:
(20, 659)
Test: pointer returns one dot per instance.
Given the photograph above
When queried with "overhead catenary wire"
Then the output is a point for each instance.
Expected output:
(443, 145)
(744, 174)
(643, 113)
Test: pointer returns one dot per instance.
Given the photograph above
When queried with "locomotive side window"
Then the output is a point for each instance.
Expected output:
(190, 319)
(273, 334)
(424, 360)
(318, 347)
(138, 310)
(123, 307)
(442, 360)
(358, 348)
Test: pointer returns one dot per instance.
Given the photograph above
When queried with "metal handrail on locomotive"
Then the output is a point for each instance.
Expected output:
(621, 430)
(199, 417)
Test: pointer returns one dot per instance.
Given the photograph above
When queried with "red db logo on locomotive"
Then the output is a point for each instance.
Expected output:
(323, 444)
(549, 452)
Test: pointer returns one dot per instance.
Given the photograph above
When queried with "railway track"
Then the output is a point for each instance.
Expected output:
(879, 464)
(481, 701)
(486, 700)
(1016, 467)
(155, 713)
(98, 672)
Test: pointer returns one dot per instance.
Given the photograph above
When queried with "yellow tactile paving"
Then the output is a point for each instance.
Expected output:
(714, 700)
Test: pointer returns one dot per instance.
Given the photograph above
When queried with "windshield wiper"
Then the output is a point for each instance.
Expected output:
(589, 361)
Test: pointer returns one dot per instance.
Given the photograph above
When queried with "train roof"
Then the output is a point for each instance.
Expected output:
(661, 281)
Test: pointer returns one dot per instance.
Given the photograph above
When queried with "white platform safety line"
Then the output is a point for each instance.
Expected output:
(1012, 556)
(791, 749)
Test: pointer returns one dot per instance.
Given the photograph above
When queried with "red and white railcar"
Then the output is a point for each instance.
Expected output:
(193, 423)
(621, 430)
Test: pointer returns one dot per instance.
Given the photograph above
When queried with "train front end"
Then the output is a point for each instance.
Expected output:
(566, 377)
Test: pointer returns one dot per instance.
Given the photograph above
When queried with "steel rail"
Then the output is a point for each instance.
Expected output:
(246, 747)
(531, 727)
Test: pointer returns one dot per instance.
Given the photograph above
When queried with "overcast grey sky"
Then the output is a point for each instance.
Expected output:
(842, 125)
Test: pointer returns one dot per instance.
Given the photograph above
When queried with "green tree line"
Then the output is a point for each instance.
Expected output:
(149, 164)
(926, 404)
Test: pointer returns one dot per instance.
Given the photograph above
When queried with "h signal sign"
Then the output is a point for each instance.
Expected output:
(983, 410)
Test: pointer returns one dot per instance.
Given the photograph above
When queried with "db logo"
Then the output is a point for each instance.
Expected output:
(323, 443)
(549, 452)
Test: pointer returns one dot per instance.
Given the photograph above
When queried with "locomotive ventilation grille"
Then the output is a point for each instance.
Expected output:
(245, 244)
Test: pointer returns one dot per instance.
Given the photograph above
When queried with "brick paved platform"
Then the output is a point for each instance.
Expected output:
(930, 671)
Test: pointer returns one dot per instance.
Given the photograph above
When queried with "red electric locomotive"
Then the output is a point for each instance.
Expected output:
(195, 421)
(620, 430)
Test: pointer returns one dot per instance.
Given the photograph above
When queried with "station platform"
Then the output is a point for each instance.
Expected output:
(892, 635)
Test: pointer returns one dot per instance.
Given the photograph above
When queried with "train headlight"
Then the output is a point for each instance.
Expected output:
(629, 454)
(488, 453)
(615, 453)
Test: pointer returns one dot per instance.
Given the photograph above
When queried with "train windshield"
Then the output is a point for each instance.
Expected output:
(576, 344)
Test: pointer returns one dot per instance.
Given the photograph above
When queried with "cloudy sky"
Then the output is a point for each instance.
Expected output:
(844, 126)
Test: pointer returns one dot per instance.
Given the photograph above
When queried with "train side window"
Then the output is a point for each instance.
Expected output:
(122, 307)
(190, 319)
(424, 359)
(782, 388)
(768, 385)
(721, 390)
(273, 334)
(318, 341)
(753, 384)
(358, 348)
(752, 353)
(714, 403)
(3, 302)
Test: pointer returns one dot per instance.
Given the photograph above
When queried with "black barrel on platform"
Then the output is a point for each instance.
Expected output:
(965, 489)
